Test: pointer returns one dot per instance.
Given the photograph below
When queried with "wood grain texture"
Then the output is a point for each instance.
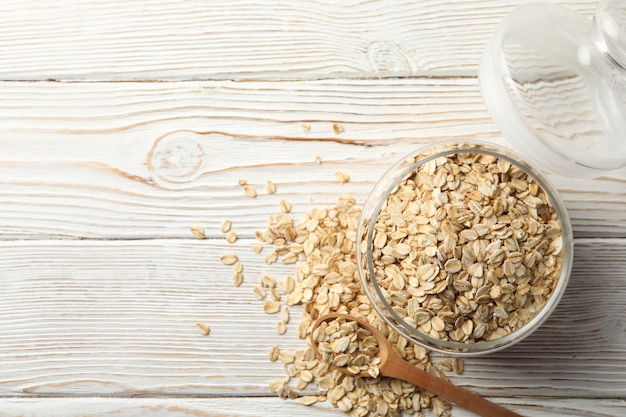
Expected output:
(148, 160)
(118, 318)
(253, 407)
(175, 39)
(142, 118)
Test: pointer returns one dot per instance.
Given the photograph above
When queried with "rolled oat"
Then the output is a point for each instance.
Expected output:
(197, 232)
(203, 328)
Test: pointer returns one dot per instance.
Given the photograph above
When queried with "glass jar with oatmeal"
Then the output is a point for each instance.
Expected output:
(464, 248)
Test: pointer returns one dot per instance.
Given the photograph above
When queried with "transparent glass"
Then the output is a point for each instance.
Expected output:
(555, 83)
(610, 22)
(365, 235)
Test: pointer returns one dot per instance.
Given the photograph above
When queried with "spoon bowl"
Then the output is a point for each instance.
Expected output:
(394, 366)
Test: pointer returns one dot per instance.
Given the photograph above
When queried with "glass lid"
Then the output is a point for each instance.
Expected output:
(555, 83)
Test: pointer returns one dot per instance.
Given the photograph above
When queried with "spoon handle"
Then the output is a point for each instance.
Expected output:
(401, 369)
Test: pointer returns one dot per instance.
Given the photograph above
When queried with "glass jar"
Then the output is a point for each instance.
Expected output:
(385, 301)
(555, 84)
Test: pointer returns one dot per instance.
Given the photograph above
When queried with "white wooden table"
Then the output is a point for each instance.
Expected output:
(123, 123)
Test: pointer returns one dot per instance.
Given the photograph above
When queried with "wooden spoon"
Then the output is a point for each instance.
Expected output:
(392, 365)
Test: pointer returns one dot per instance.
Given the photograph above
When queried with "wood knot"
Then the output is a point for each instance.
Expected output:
(176, 157)
(387, 57)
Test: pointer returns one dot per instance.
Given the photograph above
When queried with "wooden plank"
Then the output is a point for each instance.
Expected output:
(167, 39)
(251, 407)
(118, 319)
(137, 160)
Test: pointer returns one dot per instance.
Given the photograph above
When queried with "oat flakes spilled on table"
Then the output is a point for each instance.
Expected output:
(326, 280)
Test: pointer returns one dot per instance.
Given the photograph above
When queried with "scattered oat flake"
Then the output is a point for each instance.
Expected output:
(305, 126)
(242, 182)
(270, 187)
(285, 206)
(267, 281)
(231, 237)
(284, 314)
(225, 226)
(229, 259)
(337, 128)
(249, 191)
(237, 278)
(271, 306)
(259, 235)
(318, 160)
(275, 294)
(257, 248)
(259, 292)
(286, 285)
(271, 258)
(342, 176)
(274, 353)
(281, 327)
(197, 232)
(308, 400)
(203, 328)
